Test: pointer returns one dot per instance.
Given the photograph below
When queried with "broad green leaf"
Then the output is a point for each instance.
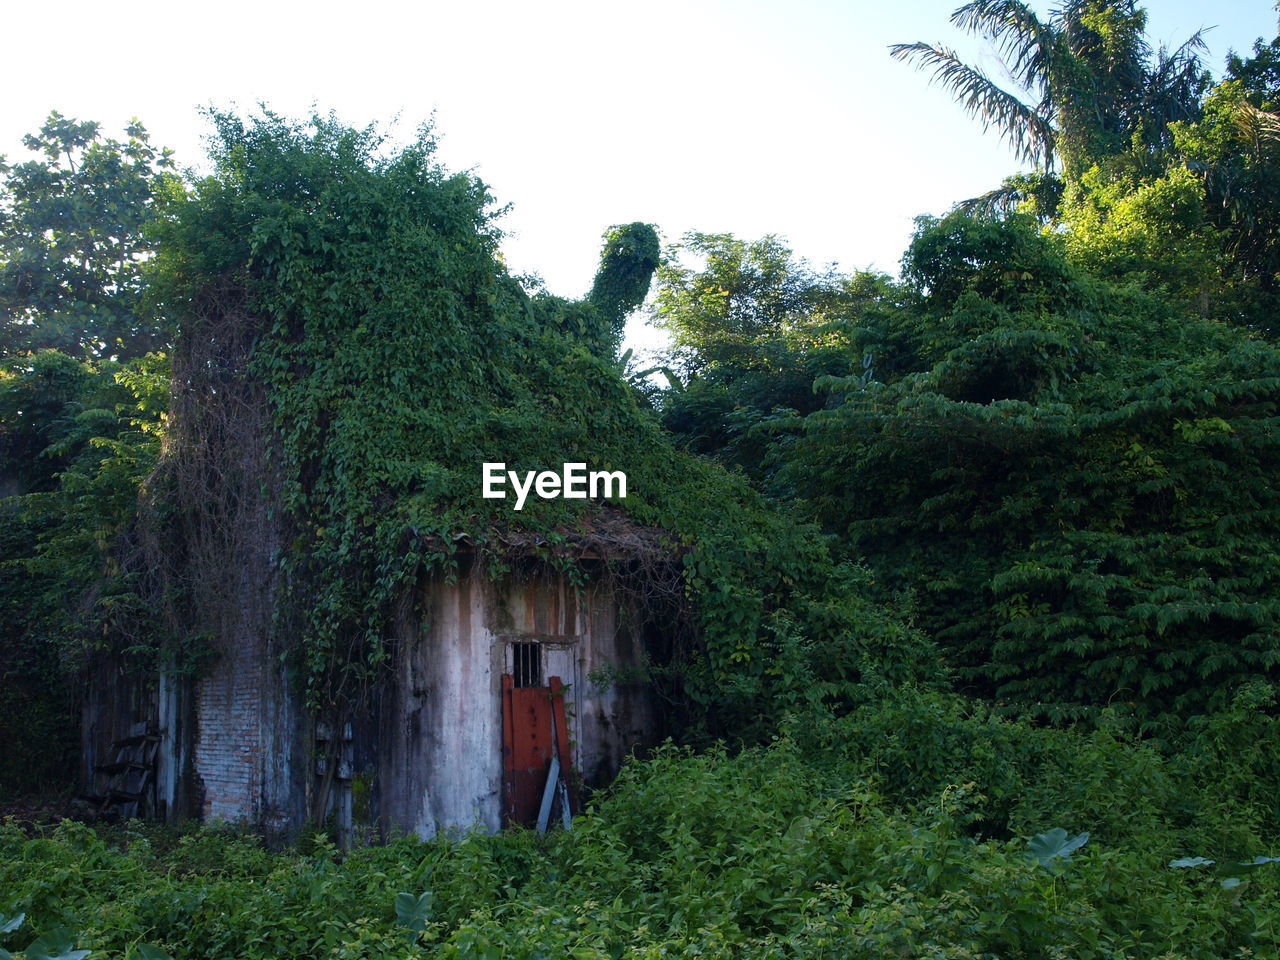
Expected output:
(413, 912)
(1055, 845)
(55, 945)
(1240, 868)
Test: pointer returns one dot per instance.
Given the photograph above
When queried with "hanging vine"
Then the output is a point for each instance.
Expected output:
(353, 350)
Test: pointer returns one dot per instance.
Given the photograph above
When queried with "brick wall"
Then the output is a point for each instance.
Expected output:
(228, 748)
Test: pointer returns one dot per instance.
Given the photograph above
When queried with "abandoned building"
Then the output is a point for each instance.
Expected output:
(495, 689)
(490, 680)
(499, 667)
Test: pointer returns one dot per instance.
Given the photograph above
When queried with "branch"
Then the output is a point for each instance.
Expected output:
(1029, 133)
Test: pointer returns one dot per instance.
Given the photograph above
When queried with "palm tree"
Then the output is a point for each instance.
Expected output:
(1084, 82)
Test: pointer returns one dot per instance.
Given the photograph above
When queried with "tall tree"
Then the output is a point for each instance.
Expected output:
(753, 326)
(1235, 151)
(1085, 81)
(72, 244)
(75, 439)
(1074, 483)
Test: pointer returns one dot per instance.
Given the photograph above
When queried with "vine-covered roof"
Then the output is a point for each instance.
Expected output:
(396, 355)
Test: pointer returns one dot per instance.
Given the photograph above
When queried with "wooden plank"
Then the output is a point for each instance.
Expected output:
(549, 795)
(564, 746)
(527, 749)
(508, 749)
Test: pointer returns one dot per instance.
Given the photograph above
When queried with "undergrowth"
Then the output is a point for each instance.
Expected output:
(912, 827)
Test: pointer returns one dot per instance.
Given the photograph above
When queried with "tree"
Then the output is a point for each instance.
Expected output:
(1156, 179)
(76, 439)
(1086, 82)
(72, 243)
(746, 294)
(753, 327)
(1202, 226)
(81, 404)
(1074, 483)
(1234, 151)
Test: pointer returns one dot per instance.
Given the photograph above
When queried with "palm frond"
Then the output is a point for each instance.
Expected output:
(1028, 132)
(1176, 84)
(994, 203)
(1260, 126)
(1191, 48)
(1039, 194)
(1026, 45)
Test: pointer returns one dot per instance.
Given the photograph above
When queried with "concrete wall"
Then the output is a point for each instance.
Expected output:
(440, 762)
(428, 756)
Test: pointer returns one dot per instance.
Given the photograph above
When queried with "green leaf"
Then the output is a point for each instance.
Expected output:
(1239, 868)
(1055, 845)
(10, 924)
(1259, 861)
(147, 951)
(1191, 862)
(413, 912)
(55, 945)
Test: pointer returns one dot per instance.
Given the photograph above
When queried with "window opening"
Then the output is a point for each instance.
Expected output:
(526, 666)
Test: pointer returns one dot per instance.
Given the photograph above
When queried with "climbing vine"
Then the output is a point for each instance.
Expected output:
(394, 356)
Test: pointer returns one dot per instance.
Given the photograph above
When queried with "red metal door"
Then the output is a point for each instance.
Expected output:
(533, 725)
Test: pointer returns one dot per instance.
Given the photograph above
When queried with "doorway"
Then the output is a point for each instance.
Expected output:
(534, 729)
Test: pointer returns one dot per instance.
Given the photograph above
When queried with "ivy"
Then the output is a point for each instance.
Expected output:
(396, 355)
(1073, 480)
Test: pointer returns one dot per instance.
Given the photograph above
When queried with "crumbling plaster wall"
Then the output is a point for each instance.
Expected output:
(440, 762)
(433, 748)
(250, 751)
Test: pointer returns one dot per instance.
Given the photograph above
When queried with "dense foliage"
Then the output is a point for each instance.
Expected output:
(1075, 482)
(396, 356)
(77, 439)
(977, 568)
(916, 827)
(1159, 176)
(72, 244)
(1086, 84)
(752, 329)
(81, 407)
(1058, 447)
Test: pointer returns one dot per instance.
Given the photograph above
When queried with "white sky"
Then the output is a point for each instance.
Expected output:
(745, 116)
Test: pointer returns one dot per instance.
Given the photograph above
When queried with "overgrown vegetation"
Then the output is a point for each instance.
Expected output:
(919, 826)
(348, 303)
(1073, 481)
(975, 569)
(81, 406)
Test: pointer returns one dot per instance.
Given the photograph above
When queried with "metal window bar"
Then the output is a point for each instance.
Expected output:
(526, 666)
